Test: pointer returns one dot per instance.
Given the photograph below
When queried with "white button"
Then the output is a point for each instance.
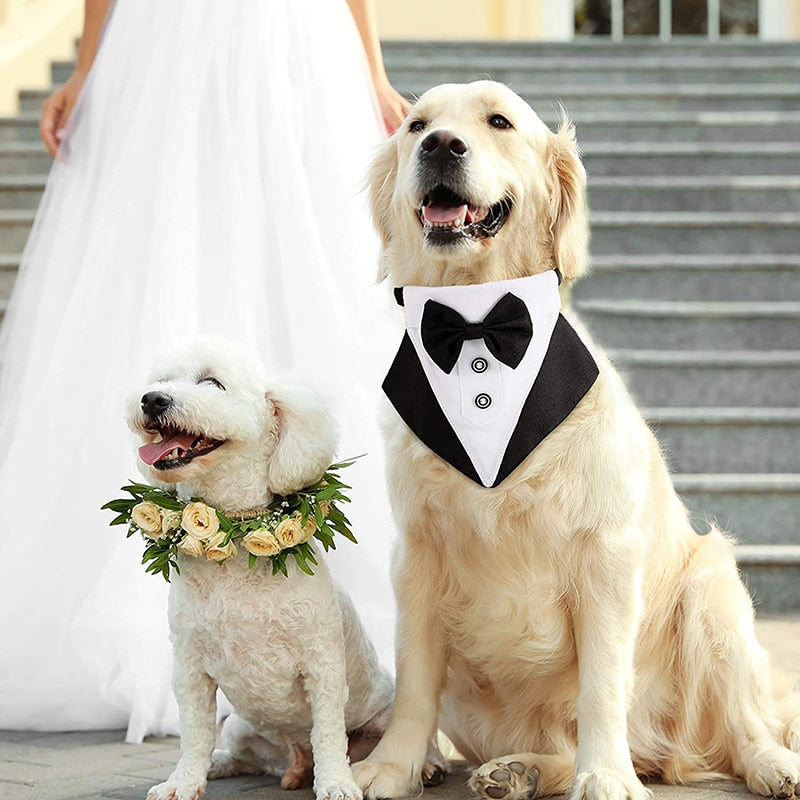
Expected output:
(479, 365)
(483, 400)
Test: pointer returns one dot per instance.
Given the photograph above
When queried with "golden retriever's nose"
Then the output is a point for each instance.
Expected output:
(443, 145)
(155, 403)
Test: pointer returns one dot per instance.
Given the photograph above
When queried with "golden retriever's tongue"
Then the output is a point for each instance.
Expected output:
(439, 216)
(150, 453)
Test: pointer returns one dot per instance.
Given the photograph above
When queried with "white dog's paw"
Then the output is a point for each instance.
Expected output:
(505, 780)
(608, 784)
(339, 790)
(177, 790)
(774, 772)
(383, 780)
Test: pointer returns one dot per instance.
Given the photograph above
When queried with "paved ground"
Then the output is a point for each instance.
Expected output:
(98, 765)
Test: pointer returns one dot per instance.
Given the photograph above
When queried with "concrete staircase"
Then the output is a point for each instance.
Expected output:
(693, 156)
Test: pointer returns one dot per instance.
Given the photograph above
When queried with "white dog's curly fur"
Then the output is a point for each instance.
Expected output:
(289, 653)
(575, 629)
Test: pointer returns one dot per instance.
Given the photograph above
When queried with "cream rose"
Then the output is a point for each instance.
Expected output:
(216, 552)
(170, 520)
(200, 520)
(147, 517)
(290, 532)
(191, 545)
(261, 543)
(325, 508)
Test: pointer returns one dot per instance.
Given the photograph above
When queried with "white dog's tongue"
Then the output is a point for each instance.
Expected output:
(437, 214)
(150, 453)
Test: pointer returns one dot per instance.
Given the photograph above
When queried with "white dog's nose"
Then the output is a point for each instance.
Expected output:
(155, 403)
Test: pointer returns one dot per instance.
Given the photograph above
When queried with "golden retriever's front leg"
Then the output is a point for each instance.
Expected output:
(606, 622)
(394, 768)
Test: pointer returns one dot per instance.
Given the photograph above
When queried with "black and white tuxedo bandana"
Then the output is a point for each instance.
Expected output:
(485, 372)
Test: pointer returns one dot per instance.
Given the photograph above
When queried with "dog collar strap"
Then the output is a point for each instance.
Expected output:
(485, 417)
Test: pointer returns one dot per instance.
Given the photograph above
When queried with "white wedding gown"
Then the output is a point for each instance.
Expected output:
(209, 183)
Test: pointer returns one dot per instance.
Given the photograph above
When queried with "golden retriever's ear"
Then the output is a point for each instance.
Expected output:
(381, 180)
(569, 222)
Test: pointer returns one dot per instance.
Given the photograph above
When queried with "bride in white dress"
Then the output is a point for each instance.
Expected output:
(207, 181)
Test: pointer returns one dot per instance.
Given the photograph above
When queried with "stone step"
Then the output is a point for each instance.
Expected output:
(719, 232)
(556, 75)
(693, 277)
(693, 325)
(711, 378)
(597, 126)
(9, 264)
(758, 193)
(636, 193)
(24, 158)
(21, 192)
(756, 508)
(633, 48)
(772, 575)
(14, 229)
(691, 158)
(709, 96)
(740, 440)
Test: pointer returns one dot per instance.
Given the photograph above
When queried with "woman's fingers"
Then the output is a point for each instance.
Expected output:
(50, 120)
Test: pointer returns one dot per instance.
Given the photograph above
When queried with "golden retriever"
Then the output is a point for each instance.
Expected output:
(567, 628)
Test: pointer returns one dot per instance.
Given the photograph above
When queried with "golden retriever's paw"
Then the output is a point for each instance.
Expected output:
(177, 790)
(774, 772)
(608, 784)
(383, 780)
(502, 779)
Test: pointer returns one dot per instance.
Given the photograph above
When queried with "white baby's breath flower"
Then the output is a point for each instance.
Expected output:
(261, 543)
(147, 517)
(200, 520)
(216, 551)
(170, 520)
(191, 545)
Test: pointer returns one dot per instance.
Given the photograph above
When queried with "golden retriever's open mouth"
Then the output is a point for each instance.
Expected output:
(176, 448)
(447, 217)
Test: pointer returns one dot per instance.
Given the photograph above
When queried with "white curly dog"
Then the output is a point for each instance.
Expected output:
(289, 653)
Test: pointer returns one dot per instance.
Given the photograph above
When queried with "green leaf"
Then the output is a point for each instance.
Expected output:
(301, 562)
(251, 561)
(120, 520)
(120, 504)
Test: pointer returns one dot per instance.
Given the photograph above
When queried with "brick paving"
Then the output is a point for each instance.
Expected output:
(98, 765)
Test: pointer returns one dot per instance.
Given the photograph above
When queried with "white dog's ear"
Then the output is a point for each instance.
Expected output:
(569, 222)
(381, 180)
(306, 438)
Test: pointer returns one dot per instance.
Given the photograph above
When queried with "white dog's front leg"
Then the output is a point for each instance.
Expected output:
(197, 703)
(326, 685)
(606, 624)
(394, 768)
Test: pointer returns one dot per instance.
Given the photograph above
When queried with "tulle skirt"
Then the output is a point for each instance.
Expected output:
(209, 182)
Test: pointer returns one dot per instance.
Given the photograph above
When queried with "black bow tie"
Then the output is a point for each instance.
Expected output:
(506, 330)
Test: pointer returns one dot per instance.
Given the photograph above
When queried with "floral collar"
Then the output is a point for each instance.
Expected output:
(171, 525)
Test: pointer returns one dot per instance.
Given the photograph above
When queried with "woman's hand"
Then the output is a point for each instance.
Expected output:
(394, 107)
(56, 111)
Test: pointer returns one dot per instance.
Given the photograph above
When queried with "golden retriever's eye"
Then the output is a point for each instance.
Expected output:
(417, 125)
(213, 381)
(499, 121)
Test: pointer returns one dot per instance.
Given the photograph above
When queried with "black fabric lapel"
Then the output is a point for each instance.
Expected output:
(568, 372)
(410, 393)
